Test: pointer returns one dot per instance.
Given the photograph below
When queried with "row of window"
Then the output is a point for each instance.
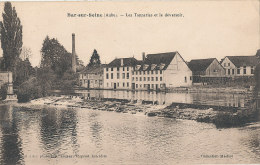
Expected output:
(232, 71)
(118, 84)
(124, 76)
(117, 68)
(148, 79)
(147, 72)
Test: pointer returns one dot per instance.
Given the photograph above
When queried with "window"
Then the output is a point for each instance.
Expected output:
(160, 78)
(140, 85)
(156, 78)
(127, 84)
(123, 84)
(117, 68)
(133, 72)
(118, 76)
(144, 72)
(152, 72)
(144, 78)
(111, 69)
(252, 70)
(152, 86)
(127, 68)
(136, 79)
(127, 75)
(224, 64)
(140, 72)
(136, 72)
(233, 71)
(190, 78)
(107, 84)
(152, 78)
(123, 75)
(156, 72)
(111, 75)
(136, 85)
(228, 64)
(133, 78)
(123, 68)
(117, 84)
(148, 78)
(148, 72)
(185, 79)
(140, 78)
(244, 70)
(107, 76)
(228, 71)
(238, 71)
(160, 71)
(106, 69)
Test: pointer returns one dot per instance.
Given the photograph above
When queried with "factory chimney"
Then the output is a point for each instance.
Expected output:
(73, 62)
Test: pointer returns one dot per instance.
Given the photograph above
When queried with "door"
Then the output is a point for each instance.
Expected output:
(114, 85)
(133, 86)
(88, 83)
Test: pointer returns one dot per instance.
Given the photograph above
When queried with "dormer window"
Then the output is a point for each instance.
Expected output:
(137, 67)
(145, 66)
(153, 66)
(162, 66)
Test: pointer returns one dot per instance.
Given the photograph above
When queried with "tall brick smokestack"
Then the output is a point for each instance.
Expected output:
(73, 62)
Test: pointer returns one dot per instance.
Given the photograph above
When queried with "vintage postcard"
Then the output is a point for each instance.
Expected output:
(132, 83)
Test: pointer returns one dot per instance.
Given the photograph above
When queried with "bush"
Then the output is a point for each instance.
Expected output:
(29, 90)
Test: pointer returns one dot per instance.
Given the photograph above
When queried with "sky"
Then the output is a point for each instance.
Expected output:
(207, 28)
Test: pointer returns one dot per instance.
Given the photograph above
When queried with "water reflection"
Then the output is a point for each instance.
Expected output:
(235, 100)
(123, 138)
(11, 151)
(58, 131)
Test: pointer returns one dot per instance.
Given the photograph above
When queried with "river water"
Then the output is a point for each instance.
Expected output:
(218, 99)
(84, 136)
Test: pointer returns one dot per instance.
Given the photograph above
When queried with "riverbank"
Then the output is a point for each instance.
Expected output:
(219, 115)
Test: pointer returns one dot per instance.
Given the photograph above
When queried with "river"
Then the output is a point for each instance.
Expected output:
(218, 99)
(84, 136)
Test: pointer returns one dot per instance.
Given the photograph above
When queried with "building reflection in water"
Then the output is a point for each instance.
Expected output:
(11, 150)
(235, 100)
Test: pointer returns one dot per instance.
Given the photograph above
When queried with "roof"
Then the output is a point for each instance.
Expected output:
(94, 69)
(126, 62)
(200, 65)
(239, 61)
(160, 58)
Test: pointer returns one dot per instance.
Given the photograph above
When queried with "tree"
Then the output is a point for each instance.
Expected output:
(55, 56)
(26, 53)
(11, 37)
(95, 59)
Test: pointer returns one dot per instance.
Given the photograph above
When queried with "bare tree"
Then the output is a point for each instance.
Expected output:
(26, 53)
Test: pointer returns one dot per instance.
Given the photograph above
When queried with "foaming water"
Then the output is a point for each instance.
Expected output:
(83, 136)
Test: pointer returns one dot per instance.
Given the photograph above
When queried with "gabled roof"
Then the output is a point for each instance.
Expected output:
(200, 65)
(126, 62)
(94, 69)
(240, 61)
(159, 58)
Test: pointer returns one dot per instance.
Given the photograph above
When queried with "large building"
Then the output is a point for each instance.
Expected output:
(205, 70)
(118, 73)
(240, 65)
(161, 71)
(92, 77)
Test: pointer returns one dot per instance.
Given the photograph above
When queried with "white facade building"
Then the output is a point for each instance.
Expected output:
(240, 65)
(118, 73)
(160, 71)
